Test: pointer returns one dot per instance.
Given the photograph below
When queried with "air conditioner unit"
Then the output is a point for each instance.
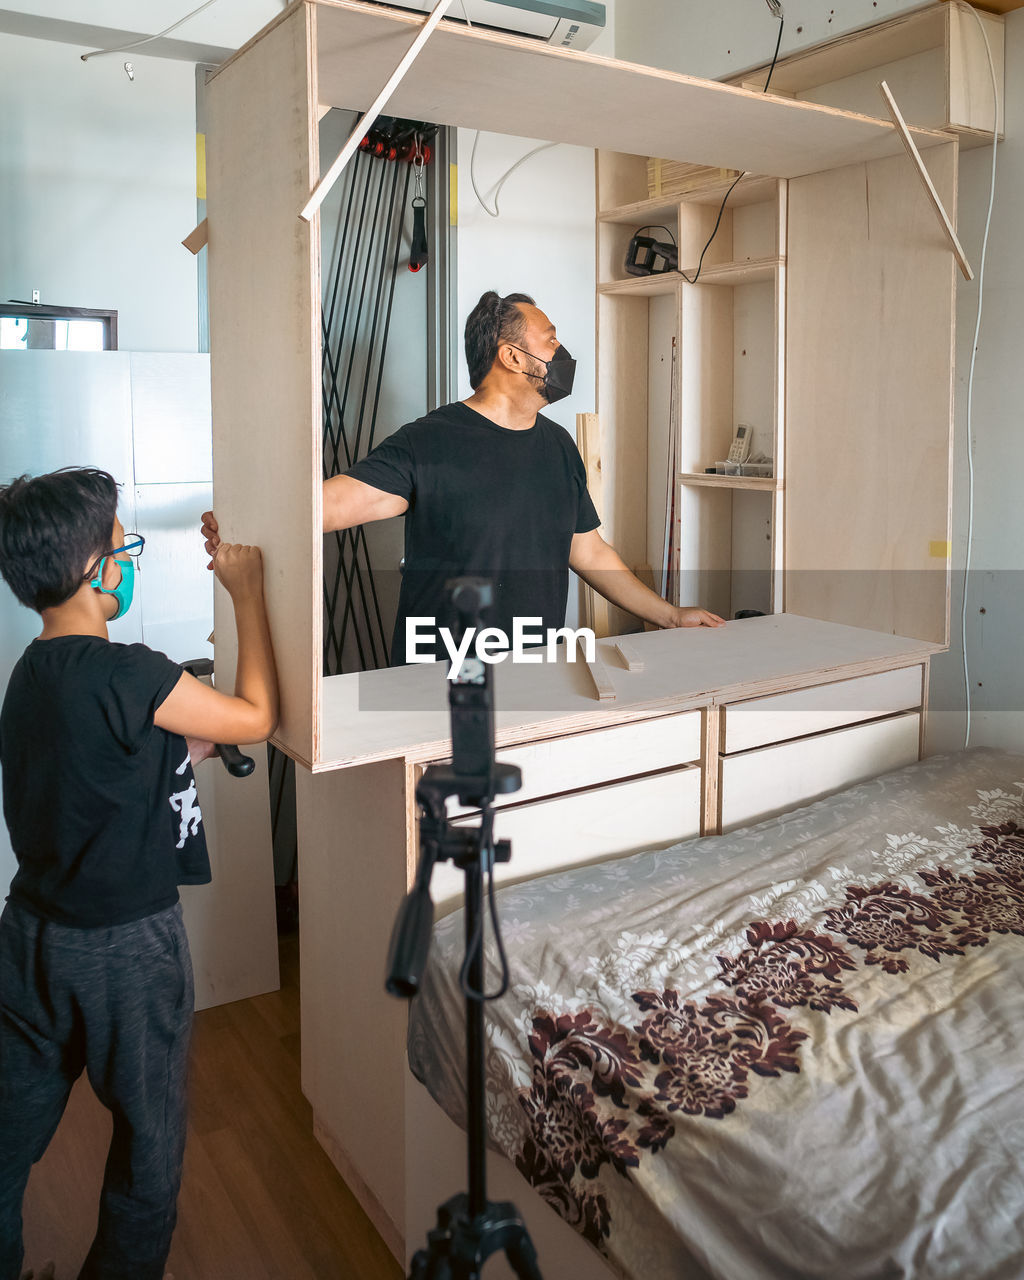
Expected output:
(567, 24)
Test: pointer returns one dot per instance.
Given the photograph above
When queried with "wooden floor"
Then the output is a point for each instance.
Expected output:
(260, 1199)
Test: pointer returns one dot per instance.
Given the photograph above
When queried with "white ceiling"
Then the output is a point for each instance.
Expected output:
(226, 24)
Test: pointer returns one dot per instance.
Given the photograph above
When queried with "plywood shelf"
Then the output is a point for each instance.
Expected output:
(757, 271)
(701, 480)
(752, 190)
(403, 712)
(934, 58)
(642, 212)
(642, 286)
(454, 78)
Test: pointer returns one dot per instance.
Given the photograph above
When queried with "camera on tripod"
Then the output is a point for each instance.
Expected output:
(469, 1227)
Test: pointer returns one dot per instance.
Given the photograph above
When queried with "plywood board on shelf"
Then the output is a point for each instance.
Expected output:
(970, 98)
(622, 408)
(264, 284)
(675, 177)
(871, 301)
(662, 330)
(453, 82)
(588, 440)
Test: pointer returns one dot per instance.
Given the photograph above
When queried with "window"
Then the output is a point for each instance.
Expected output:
(38, 327)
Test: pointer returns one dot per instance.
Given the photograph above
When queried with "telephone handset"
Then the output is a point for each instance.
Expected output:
(739, 450)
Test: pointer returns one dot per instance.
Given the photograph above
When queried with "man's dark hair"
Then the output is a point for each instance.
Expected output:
(492, 321)
(52, 530)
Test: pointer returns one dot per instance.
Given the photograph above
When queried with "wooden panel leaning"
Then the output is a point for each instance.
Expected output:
(264, 284)
(870, 397)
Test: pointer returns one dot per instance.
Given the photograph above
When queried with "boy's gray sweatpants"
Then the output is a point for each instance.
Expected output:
(116, 1002)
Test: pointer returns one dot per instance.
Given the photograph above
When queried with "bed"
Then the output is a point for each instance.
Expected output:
(796, 1050)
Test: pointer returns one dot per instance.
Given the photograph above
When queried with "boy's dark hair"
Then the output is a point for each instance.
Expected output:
(492, 321)
(52, 529)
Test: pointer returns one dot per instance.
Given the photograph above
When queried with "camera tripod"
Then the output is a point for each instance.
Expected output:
(469, 1227)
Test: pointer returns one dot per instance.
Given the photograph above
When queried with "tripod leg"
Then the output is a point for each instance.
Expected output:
(429, 1266)
(522, 1255)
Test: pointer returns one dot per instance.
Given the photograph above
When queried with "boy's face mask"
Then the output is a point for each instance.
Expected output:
(124, 590)
(557, 382)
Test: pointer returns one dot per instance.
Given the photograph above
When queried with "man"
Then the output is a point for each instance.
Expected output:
(491, 487)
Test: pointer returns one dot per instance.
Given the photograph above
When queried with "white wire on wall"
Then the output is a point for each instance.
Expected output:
(496, 189)
(496, 211)
(970, 377)
(123, 48)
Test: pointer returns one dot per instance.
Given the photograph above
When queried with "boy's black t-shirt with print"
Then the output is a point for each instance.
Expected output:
(100, 803)
(485, 501)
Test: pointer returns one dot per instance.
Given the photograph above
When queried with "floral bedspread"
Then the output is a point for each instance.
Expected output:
(793, 1051)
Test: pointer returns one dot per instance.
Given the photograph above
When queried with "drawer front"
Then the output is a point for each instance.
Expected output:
(588, 826)
(804, 711)
(590, 759)
(769, 780)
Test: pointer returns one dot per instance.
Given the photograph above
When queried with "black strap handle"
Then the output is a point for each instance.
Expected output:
(237, 764)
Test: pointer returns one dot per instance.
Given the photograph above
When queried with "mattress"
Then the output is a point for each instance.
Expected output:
(793, 1051)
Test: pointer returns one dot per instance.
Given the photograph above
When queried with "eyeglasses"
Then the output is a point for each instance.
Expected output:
(132, 545)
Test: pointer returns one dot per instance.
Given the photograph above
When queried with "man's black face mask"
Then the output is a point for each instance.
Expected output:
(556, 383)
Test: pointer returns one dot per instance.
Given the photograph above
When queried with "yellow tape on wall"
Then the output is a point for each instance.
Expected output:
(200, 166)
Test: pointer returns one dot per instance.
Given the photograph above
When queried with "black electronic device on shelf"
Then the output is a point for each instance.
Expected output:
(647, 256)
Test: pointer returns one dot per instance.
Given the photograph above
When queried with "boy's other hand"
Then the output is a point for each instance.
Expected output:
(199, 750)
(240, 569)
(211, 535)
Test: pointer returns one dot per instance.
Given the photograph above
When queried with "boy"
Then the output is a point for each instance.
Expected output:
(98, 796)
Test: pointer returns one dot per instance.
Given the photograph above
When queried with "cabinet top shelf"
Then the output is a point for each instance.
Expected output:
(463, 77)
(403, 711)
(752, 190)
(701, 480)
(754, 271)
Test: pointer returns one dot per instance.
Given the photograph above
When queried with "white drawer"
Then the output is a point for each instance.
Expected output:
(782, 716)
(604, 755)
(758, 784)
(587, 826)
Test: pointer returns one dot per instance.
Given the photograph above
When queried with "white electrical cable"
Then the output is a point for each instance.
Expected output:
(123, 48)
(496, 211)
(970, 378)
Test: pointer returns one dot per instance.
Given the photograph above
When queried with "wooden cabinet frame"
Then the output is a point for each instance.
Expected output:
(845, 351)
(264, 261)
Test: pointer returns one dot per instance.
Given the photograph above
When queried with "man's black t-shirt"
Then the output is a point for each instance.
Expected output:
(484, 501)
(100, 803)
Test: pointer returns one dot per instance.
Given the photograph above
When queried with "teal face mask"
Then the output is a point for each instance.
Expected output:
(125, 588)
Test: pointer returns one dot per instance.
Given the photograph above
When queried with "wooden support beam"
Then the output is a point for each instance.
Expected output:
(629, 656)
(929, 186)
(197, 238)
(366, 120)
(599, 673)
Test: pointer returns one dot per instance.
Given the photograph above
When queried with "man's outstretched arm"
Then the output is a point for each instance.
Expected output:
(347, 502)
(601, 567)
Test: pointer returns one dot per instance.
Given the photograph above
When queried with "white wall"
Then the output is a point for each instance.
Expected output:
(995, 613)
(97, 188)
